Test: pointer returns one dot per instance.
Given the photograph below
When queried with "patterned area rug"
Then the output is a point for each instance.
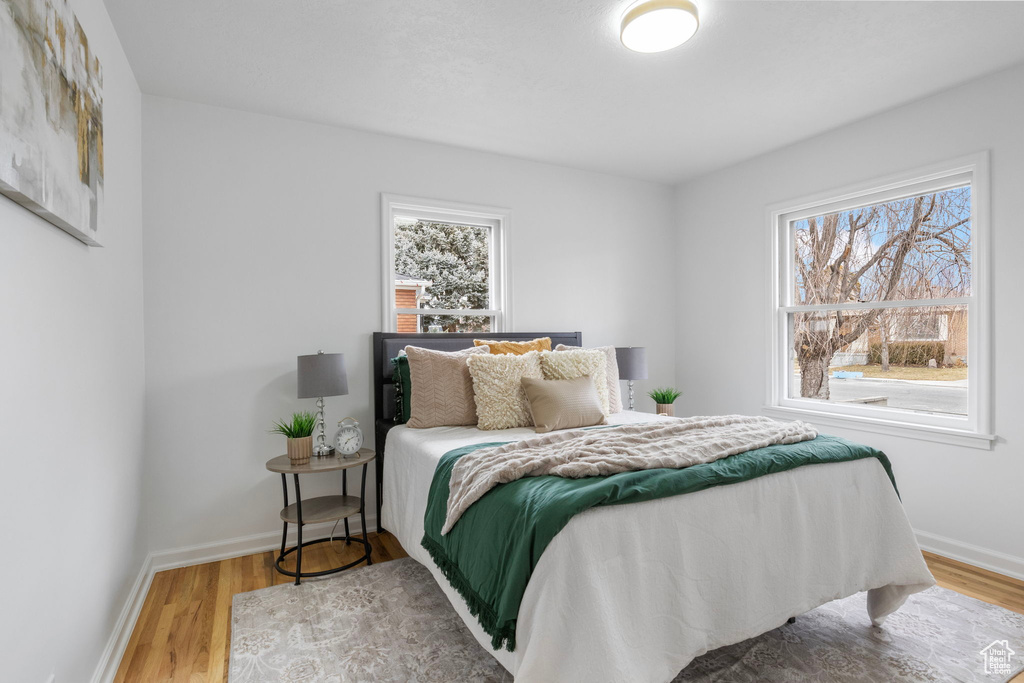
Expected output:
(391, 622)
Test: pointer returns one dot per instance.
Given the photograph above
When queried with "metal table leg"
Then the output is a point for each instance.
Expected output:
(284, 532)
(362, 517)
(298, 509)
(344, 492)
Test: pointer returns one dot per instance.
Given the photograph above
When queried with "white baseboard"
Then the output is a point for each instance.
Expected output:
(185, 557)
(125, 624)
(992, 560)
(215, 551)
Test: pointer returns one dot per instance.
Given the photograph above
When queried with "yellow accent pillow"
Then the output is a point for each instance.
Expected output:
(514, 347)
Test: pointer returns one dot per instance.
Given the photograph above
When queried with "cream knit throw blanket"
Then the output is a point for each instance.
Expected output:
(577, 453)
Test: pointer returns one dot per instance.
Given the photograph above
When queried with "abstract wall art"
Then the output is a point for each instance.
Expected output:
(51, 116)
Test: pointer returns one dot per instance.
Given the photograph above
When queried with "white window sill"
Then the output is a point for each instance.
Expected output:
(956, 437)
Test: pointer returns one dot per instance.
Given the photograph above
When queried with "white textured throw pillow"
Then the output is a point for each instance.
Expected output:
(578, 363)
(612, 370)
(498, 385)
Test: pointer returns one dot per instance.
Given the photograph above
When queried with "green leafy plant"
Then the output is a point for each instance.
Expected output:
(665, 395)
(301, 425)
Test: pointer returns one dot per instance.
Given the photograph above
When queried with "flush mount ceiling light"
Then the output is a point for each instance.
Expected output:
(658, 25)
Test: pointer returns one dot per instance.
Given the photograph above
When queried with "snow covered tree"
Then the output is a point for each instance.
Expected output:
(456, 259)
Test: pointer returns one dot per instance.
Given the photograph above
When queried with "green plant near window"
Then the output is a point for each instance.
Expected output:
(301, 425)
(664, 396)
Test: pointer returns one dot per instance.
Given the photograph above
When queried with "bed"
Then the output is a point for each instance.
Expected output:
(635, 592)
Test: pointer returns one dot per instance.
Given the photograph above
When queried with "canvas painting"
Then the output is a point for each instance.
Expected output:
(51, 116)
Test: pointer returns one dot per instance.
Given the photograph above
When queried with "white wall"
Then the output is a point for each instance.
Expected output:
(263, 243)
(965, 495)
(71, 406)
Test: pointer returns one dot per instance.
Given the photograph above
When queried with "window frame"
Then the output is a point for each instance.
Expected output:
(495, 218)
(972, 430)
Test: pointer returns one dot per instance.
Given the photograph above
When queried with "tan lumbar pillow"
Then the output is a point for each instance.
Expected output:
(498, 388)
(579, 363)
(442, 389)
(514, 347)
(563, 403)
(611, 370)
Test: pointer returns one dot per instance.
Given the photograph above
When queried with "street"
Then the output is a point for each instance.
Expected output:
(936, 397)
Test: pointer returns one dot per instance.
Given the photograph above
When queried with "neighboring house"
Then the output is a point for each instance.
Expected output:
(409, 292)
(946, 324)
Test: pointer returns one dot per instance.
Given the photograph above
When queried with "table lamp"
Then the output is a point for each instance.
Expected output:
(322, 374)
(632, 361)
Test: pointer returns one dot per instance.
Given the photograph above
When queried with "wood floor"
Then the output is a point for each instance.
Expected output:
(183, 632)
(977, 583)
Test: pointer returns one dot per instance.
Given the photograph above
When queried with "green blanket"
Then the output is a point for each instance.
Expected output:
(490, 553)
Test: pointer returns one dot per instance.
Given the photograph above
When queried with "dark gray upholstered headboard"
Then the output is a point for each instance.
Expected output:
(386, 346)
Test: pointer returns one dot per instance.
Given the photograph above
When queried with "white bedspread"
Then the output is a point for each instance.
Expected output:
(635, 592)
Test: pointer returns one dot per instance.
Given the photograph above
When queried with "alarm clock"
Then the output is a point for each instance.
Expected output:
(349, 437)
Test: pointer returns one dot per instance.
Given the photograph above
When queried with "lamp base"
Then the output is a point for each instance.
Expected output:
(321, 449)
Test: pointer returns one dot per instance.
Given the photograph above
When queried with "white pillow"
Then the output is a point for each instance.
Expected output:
(501, 402)
(612, 371)
(578, 363)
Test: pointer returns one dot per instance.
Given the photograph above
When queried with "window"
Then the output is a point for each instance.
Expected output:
(445, 266)
(878, 305)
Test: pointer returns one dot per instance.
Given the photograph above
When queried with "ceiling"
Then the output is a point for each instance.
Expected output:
(548, 79)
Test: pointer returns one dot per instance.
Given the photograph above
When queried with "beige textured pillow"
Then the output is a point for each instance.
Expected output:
(611, 369)
(442, 390)
(578, 363)
(498, 386)
(563, 403)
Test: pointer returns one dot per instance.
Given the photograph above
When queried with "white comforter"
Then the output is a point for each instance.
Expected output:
(635, 592)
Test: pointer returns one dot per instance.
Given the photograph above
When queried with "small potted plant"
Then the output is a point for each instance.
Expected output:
(299, 432)
(665, 398)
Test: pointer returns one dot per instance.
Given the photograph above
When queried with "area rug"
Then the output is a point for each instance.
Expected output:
(391, 622)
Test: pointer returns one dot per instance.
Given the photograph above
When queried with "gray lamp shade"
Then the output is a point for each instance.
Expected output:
(632, 361)
(322, 374)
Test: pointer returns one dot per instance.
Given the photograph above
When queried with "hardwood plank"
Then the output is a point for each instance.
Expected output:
(183, 639)
(184, 629)
(158, 650)
(165, 668)
(188, 638)
(219, 635)
(200, 662)
(145, 629)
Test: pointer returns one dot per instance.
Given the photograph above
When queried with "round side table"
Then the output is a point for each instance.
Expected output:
(322, 508)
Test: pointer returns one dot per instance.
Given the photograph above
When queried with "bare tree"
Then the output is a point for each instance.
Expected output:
(905, 249)
(884, 323)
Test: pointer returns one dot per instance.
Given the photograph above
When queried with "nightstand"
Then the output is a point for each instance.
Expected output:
(322, 508)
